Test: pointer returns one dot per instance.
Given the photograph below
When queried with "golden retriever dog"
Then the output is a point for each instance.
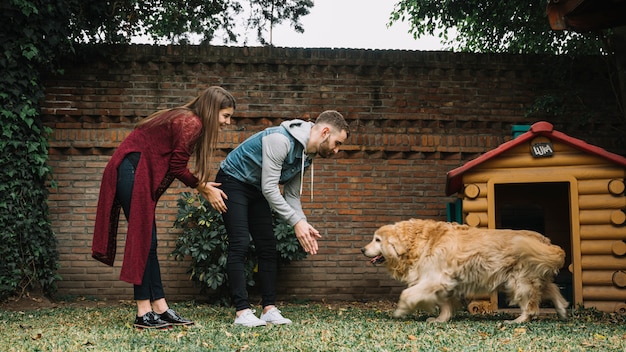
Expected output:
(442, 263)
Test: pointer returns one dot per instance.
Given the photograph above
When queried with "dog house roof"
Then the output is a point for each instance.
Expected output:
(454, 177)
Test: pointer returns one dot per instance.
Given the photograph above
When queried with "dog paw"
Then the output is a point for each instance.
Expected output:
(519, 320)
(399, 314)
(436, 320)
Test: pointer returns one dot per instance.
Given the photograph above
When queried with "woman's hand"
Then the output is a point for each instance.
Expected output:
(307, 235)
(214, 195)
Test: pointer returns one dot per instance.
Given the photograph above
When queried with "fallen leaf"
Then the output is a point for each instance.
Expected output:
(519, 331)
(36, 337)
(412, 337)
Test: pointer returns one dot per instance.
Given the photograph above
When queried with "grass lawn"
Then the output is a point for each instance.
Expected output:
(317, 327)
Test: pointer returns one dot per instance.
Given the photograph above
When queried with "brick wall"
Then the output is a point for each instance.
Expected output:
(414, 116)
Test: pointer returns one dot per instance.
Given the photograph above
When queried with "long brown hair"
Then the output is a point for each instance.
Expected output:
(207, 106)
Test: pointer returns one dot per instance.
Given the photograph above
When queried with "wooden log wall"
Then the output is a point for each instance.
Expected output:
(602, 247)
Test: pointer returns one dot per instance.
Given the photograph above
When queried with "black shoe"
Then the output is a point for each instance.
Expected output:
(173, 318)
(151, 320)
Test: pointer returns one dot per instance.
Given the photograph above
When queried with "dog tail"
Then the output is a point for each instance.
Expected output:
(547, 258)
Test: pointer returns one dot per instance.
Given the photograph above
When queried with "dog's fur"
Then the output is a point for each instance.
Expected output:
(444, 262)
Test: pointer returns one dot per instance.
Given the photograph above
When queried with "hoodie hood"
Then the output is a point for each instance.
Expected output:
(299, 129)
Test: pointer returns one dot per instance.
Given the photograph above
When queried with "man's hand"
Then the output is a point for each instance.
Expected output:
(307, 235)
(214, 195)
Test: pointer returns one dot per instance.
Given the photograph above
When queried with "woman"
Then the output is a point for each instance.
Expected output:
(138, 173)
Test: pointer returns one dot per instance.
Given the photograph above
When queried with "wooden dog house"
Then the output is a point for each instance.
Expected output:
(560, 186)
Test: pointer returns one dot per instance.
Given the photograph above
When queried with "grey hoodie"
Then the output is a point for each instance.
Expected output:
(275, 156)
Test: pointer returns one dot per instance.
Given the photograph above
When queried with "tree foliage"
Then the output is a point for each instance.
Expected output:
(121, 20)
(180, 21)
(519, 27)
(266, 14)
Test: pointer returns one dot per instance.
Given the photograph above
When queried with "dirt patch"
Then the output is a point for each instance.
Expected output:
(36, 300)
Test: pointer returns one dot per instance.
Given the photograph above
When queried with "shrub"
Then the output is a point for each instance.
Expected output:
(204, 239)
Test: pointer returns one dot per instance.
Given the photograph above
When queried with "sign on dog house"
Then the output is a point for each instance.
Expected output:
(564, 188)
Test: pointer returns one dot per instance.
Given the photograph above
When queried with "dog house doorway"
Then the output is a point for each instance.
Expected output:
(543, 207)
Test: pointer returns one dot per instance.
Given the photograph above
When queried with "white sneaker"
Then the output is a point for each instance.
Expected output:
(274, 317)
(247, 318)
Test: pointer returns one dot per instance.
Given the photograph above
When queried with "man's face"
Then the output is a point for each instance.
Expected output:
(331, 142)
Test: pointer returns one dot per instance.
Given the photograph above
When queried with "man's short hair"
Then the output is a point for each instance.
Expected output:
(334, 119)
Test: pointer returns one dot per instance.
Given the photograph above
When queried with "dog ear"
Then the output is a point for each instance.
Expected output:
(396, 244)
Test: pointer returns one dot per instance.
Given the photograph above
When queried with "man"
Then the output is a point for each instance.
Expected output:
(250, 177)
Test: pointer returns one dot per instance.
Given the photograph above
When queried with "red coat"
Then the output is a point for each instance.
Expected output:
(165, 152)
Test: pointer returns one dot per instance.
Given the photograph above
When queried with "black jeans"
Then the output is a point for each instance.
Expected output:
(248, 214)
(151, 286)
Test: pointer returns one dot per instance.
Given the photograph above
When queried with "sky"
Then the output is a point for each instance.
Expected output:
(359, 24)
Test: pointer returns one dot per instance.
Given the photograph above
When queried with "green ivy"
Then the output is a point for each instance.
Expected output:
(29, 35)
(204, 239)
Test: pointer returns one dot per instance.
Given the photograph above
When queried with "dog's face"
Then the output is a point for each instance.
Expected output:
(384, 244)
(374, 250)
